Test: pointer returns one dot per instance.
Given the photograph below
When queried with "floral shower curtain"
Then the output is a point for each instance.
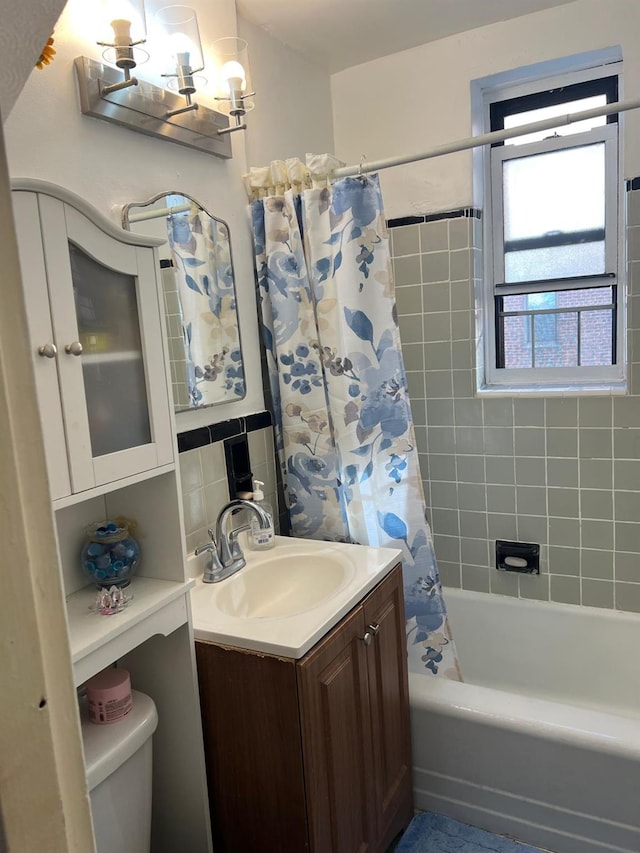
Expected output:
(344, 431)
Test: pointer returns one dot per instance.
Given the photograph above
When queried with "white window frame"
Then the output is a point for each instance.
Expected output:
(548, 380)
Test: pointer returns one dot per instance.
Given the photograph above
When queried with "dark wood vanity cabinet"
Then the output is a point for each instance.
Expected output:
(312, 754)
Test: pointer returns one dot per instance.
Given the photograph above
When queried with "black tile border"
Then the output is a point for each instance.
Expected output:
(202, 436)
(466, 212)
(632, 184)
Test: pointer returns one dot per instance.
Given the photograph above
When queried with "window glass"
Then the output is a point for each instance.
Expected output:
(563, 109)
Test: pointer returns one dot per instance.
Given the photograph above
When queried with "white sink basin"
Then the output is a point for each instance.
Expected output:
(285, 599)
(283, 584)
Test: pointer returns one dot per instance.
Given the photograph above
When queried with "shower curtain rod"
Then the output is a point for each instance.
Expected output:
(485, 139)
(156, 213)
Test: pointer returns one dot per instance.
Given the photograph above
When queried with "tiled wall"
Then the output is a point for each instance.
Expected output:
(560, 471)
(203, 472)
(175, 338)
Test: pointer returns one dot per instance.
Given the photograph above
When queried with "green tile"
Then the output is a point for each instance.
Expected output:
(531, 500)
(405, 240)
(596, 473)
(562, 442)
(530, 472)
(462, 327)
(475, 578)
(504, 583)
(595, 411)
(415, 387)
(413, 355)
(471, 496)
(597, 593)
(441, 440)
(501, 526)
(447, 548)
(597, 534)
(440, 413)
(564, 561)
(434, 236)
(437, 355)
(437, 328)
(474, 552)
(468, 412)
(461, 352)
(595, 443)
(626, 443)
(418, 411)
(442, 467)
(501, 499)
(499, 469)
(563, 502)
(449, 574)
(562, 412)
(463, 383)
(532, 528)
(471, 469)
(628, 596)
(627, 536)
(627, 506)
(627, 567)
(435, 266)
(411, 331)
(459, 265)
(436, 297)
(596, 564)
(529, 413)
(534, 587)
(565, 590)
(445, 522)
(459, 232)
(530, 442)
(596, 503)
(469, 440)
(461, 295)
(444, 495)
(498, 413)
(562, 472)
(564, 532)
(409, 299)
(498, 441)
(473, 525)
(626, 412)
(439, 383)
(407, 270)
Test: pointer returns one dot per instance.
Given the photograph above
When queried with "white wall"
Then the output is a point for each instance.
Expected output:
(47, 137)
(418, 98)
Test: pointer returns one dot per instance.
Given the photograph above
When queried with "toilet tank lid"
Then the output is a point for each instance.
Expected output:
(106, 747)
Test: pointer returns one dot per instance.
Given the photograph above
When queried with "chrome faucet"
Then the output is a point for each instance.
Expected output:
(226, 554)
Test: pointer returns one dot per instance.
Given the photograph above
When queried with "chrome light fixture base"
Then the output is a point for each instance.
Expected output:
(150, 109)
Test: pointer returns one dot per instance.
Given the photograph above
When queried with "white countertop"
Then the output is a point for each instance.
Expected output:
(362, 567)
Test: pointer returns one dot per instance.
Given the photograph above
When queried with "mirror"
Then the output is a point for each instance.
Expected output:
(199, 298)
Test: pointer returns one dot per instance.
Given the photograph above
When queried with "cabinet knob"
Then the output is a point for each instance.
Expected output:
(47, 351)
(74, 349)
(368, 638)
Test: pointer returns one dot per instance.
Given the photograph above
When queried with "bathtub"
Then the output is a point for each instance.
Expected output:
(542, 741)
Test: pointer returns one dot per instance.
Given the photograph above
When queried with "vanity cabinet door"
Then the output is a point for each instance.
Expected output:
(336, 741)
(106, 328)
(389, 701)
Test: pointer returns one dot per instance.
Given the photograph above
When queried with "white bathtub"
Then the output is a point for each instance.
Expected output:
(542, 741)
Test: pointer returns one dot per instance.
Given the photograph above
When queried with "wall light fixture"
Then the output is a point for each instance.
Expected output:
(114, 95)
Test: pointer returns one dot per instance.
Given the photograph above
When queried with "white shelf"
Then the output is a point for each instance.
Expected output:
(157, 607)
(111, 357)
(122, 483)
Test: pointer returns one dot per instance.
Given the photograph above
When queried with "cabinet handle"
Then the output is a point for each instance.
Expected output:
(374, 628)
(367, 639)
(74, 349)
(47, 351)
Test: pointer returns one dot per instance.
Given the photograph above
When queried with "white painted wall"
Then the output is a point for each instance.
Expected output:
(418, 98)
(47, 137)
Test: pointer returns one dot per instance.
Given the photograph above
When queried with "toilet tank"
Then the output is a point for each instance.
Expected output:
(118, 767)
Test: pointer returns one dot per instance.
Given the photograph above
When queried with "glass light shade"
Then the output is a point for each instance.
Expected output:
(232, 72)
(182, 47)
(122, 22)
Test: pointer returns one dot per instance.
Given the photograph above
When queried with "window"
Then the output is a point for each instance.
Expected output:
(553, 297)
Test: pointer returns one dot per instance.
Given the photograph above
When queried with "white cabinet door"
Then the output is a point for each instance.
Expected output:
(106, 326)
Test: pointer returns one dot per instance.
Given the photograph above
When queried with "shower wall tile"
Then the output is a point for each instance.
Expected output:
(562, 471)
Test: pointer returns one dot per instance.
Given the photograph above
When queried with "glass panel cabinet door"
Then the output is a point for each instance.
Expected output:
(106, 318)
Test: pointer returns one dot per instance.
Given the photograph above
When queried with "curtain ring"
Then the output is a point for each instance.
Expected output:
(362, 160)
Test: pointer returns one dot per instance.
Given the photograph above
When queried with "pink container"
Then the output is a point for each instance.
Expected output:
(109, 696)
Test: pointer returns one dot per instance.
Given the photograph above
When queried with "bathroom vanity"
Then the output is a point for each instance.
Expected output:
(100, 366)
(307, 748)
